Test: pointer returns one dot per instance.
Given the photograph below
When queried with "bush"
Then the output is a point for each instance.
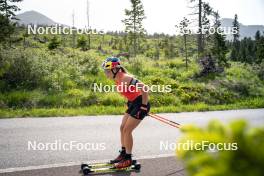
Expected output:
(176, 64)
(20, 99)
(21, 69)
(189, 93)
(112, 99)
(36, 68)
(52, 100)
(90, 99)
(245, 157)
(54, 43)
(163, 99)
(135, 66)
(82, 43)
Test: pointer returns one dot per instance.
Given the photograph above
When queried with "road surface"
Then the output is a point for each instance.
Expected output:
(28, 144)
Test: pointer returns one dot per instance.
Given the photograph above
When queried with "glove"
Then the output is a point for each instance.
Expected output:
(143, 111)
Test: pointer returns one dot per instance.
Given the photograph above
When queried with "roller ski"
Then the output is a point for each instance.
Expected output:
(108, 167)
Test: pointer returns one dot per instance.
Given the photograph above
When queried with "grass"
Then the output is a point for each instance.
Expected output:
(118, 110)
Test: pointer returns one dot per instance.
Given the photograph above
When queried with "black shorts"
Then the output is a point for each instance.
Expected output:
(134, 106)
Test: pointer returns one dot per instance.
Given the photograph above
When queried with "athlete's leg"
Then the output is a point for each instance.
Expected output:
(122, 154)
(130, 125)
(124, 120)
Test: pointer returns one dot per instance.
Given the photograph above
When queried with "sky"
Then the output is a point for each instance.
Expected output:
(162, 15)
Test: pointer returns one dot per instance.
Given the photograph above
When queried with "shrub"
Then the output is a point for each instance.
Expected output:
(112, 99)
(21, 99)
(82, 43)
(54, 43)
(247, 160)
(163, 99)
(90, 99)
(135, 66)
(175, 64)
(189, 93)
(22, 69)
(52, 100)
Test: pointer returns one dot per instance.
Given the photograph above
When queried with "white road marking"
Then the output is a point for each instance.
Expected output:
(27, 168)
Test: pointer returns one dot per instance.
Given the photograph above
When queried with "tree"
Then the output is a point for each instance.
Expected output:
(219, 48)
(25, 36)
(133, 23)
(7, 13)
(54, 43)
(257, 35)
(246, 51)
(6, 27)
(120, 45)
(236, 27)
(235, 45)
(206, 12)
(73, 32)
(157, 52)
(169, 48)
(185, 31)
(200, 45)
(8, 9)
(82, 43)
(203, 10)
(199, 13)
(88, 23)
(259, 47)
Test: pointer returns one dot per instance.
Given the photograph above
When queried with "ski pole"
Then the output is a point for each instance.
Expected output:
(167, 121)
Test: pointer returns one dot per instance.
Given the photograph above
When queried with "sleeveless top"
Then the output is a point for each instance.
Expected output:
(126, 90)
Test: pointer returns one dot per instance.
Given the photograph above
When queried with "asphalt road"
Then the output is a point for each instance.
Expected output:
(96, 138)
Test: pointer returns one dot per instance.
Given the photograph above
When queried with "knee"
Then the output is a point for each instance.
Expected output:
(127, 130)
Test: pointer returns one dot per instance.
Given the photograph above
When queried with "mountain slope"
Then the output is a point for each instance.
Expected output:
(245, 30)
(33, 17)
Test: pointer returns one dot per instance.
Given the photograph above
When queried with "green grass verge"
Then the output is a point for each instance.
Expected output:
(111, 110)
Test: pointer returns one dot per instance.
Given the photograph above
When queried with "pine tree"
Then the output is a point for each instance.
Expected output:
(199, 36)
(6, 27)
(236, 27)
(166, 47)
(54, 43)
(120, 45)
(257, 35)
(157, 52)
(259, 47)
(8, 9)
(88, 23)
(185, 32)
(235, 45)
(200, 42)
(82, 43)
(7, 13)
(206, 12)
(219, 49)
(133, 23)
(203, 10)
(169, 48)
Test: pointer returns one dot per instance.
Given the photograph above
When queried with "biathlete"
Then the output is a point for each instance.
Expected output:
(137, 107)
